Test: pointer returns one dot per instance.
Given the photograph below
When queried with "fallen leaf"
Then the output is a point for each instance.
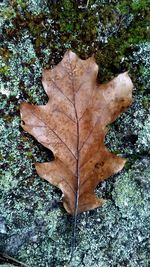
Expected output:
(73, 124)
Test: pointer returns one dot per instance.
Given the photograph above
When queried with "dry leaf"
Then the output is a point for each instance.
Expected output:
(73, 124)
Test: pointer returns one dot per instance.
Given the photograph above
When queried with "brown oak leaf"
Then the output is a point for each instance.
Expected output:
(73, 124)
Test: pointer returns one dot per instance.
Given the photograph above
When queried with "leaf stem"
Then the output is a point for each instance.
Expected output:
(77, 172)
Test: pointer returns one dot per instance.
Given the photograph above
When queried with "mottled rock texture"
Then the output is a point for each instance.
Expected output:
(34, 227)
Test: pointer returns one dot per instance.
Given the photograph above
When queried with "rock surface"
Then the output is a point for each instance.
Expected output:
(34, 227)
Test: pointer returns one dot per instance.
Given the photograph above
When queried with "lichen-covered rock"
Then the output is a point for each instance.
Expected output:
(34, 227)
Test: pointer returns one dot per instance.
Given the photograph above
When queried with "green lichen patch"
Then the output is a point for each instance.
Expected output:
(128, 192)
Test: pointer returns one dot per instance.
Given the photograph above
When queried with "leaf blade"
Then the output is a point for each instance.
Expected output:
(73, 124)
